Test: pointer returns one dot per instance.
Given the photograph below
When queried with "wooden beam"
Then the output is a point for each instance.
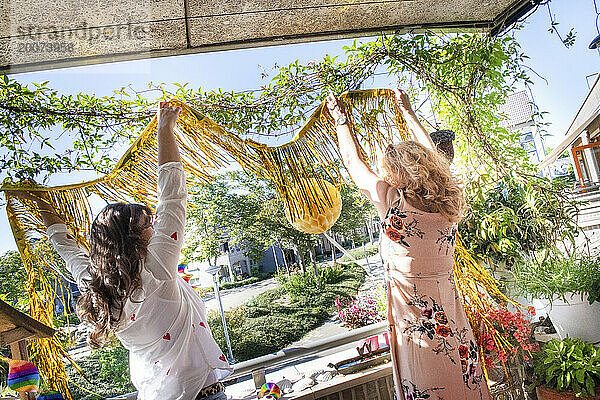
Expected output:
(15, 318)
(15, 335)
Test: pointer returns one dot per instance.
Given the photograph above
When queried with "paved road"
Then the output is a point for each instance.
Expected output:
(236, 296)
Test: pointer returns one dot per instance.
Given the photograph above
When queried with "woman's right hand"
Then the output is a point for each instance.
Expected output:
(167, 115)
(403, 101)
(335, 108)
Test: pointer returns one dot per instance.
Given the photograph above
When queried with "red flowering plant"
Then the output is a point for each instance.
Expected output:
(508, 335)
(359, 312)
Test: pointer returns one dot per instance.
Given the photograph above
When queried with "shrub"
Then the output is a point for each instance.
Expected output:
(114, 362)
(107, 370)
(331, 274)
(302, 283)
(204, 291)
(63, 320)
(569, 364)
(230, 285)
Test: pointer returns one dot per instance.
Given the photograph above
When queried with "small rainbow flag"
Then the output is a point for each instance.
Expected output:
(181, 268)
(23, 376)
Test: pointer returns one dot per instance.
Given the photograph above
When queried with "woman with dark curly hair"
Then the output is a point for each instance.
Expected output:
(434, 352)
(130, 286)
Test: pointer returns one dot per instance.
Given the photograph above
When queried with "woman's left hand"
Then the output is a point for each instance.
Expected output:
(335, 108)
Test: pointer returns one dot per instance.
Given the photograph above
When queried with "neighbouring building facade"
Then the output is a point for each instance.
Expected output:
(582, 142)
(241, 264)
(520, 118)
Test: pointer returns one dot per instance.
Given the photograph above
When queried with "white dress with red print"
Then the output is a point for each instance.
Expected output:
(172, 354)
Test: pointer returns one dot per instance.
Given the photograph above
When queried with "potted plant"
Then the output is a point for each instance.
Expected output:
(514, 340)
(571, 286)
(567, 369)
(505, 345)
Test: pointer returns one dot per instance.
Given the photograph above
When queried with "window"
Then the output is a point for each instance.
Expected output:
(526, 137)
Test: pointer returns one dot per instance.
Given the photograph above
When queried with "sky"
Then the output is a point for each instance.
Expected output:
(559, 91)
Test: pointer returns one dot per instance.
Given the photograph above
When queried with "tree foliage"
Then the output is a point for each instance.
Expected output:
(465, 75)
(12, 284)
(466, 78)
(357, 210)
(243, 209)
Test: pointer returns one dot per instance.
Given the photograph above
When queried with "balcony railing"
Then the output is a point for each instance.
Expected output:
(376, 381)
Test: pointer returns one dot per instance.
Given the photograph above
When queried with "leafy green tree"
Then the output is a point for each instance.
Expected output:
(33, 120)
(206, 225)
(467, 76)
(357, 210)
(14, 276)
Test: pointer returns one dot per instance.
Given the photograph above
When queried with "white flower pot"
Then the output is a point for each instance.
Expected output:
(577, 318)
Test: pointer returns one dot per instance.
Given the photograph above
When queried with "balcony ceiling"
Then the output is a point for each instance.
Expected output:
(44, 34)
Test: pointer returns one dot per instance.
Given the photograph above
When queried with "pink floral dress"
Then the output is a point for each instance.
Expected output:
(434, 353)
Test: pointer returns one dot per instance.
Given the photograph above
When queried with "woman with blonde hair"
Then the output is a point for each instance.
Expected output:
(434, 352)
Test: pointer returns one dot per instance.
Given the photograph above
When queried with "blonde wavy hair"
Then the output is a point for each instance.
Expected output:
(424, 176)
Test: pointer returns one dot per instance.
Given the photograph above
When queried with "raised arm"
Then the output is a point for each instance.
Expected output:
(363, 176)
(167, 239)
(412, 121)
(76, 259)
(167, 145)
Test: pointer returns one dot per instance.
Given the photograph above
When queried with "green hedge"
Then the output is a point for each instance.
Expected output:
(358, 253)
(229, 285)
(273, 320)
(108, 372)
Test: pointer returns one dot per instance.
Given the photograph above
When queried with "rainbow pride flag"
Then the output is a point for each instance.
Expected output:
(181, 268)
(23, 376)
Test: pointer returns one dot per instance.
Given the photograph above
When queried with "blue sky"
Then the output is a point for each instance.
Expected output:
(564, 69)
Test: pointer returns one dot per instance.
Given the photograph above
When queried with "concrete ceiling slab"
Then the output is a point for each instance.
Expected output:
(41, 34)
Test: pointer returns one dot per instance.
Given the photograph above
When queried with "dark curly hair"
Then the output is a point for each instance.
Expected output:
(116, 248)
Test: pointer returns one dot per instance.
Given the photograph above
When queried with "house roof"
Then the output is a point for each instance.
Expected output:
(589, 110)
(41, 34)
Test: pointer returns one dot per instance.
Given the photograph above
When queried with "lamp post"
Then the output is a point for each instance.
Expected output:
(214, 270)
